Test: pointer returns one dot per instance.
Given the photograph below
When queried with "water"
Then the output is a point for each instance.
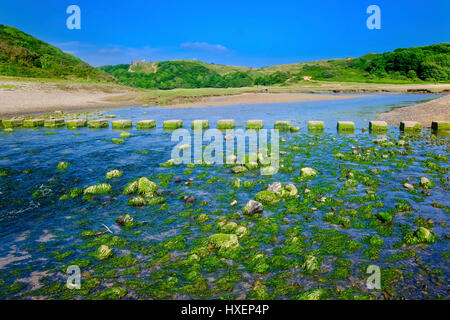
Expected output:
(40, 234)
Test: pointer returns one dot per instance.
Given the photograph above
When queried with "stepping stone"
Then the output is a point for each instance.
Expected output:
(204, 124)
(410, 126)
(146, 124)
(12, 123)
(76, 123)
(282, 125)
(440, 126)
(122, 124)
(255, 124)
(295, 129)
(98, 124)
(378, 126)
(316, 125)
(226, 124)
(54, 123)
(172, 124)
(345, 126)
(33, 123)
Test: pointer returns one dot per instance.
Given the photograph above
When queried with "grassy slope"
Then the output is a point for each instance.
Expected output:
(23, 55)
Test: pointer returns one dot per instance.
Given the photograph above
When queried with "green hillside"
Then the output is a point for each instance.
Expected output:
(412, 65)
(25, 56)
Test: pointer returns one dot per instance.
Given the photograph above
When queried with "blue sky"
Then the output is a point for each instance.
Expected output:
(248, 33)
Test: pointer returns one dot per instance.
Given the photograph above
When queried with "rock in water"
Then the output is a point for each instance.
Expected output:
(104, 252)
(253, 207)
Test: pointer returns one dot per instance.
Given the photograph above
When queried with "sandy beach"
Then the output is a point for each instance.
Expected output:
(425, 113)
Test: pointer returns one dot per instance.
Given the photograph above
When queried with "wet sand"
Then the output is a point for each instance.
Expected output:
(425, 113)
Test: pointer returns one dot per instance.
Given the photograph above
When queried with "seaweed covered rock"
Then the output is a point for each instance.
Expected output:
(102, 188)
(420, 236)
(113, 174)
(169, 163)
(142, 186)
(426, 183)
(311, 264)
(239, 169)
(104, 252)
(315, 294)
(137, 202)
(126, 221)
(114, 293)
(307, 172)
(252, 208)
(224, 241)
(62, 166)
(276, 192)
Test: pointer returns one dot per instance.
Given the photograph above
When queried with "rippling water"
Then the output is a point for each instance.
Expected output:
(40, 235)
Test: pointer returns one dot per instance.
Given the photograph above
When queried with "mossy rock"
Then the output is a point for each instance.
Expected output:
(254, 125)
(98, 189)
(169, 163)
(54, 123)
(346, 126)
(117, 141)
(137, 202)
(76, 123)
(307, 172)
(114, 174)
(125, 135)
(114, 293)
(201, 124)
(267, 197)
(104, 252)
(98, 124)
(12, 123)
(172, 124)
(440, 126)
(122, 124)
(146, 124)
(378, 126)
(33, 123)
(410, 126)
(316, 126)
(239, 169)
(420, 236)
(315, 294)
(62, 166)
(311, 264)
(226, 124)
(224, 241)
(282, 125)
(126, 221)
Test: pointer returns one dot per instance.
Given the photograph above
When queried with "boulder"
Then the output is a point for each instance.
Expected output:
(104, 252)
(126, 221)
(146, 124)
(113, 174)
(226, 124)
(103, 188)
(122, 124)
(308, 172)
(253, 208)
(224, 241)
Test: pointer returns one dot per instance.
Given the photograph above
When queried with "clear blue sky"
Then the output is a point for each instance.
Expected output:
(248, 33)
